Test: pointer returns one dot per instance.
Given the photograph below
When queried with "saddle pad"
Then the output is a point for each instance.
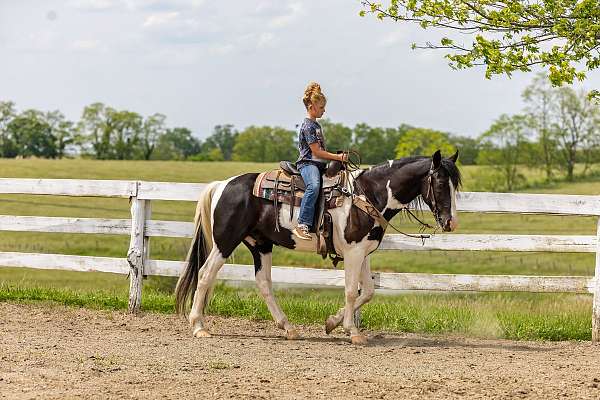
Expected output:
(265, 189)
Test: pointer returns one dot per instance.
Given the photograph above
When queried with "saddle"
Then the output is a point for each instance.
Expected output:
(286, 186)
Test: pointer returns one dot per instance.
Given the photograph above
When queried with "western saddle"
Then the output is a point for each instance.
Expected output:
(286, 186)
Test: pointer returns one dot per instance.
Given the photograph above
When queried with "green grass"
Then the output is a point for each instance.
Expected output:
(515, 316)
(520, 316)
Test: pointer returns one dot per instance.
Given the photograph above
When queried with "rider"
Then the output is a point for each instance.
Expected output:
(313, 156)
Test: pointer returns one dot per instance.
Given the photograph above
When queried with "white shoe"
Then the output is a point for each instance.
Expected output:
(302, 232)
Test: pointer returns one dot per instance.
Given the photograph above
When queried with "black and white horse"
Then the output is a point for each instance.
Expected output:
(228, 214)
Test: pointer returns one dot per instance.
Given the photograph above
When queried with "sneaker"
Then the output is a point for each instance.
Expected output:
(302, 232)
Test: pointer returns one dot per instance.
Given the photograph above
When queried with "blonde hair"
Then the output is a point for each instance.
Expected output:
(313, 94)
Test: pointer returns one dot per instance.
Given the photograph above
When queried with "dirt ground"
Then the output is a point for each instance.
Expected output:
(52, 352)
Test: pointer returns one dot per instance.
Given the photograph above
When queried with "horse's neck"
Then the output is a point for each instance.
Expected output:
(403, 182)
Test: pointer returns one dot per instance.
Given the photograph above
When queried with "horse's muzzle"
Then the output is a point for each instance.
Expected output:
(451, 225)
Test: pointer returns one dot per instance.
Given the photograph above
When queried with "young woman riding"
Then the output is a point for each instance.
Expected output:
(313, 156)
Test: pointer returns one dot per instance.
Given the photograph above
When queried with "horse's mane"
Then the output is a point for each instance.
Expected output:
(449, 167)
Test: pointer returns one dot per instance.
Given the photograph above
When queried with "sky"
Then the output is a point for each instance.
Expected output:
(203, 63)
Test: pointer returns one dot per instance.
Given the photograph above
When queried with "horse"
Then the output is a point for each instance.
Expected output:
(227, 214)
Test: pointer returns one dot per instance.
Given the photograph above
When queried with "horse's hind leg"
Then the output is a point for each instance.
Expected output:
(263, 255)
(209, 270)
(367, 290)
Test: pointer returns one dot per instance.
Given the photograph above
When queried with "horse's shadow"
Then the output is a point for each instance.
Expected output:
(393, 341)
(453, 342)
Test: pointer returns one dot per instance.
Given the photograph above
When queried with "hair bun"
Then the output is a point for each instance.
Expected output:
(312, 93)
(313, 87)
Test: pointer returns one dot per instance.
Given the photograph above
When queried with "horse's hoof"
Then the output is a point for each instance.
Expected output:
(330, 325)
(202, 333)
(292, 334)
(359, 340)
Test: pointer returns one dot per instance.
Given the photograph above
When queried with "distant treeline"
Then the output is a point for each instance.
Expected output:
(108, 134)
(557, 129)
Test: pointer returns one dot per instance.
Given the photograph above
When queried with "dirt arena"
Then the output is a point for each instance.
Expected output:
(51, 352)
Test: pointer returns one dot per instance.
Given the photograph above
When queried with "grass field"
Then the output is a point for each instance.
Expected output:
(504, 315)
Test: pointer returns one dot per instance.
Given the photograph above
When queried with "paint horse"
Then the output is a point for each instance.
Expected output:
(228, 214)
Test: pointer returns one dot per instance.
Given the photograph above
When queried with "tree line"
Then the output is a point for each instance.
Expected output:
(558, 128)
(106, 133)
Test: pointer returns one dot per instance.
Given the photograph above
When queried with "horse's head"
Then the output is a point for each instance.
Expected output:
(438, 190)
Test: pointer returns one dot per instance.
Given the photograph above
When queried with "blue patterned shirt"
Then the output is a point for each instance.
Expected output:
(310, 132)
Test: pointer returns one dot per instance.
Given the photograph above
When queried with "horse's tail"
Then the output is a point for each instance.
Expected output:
(199, 249)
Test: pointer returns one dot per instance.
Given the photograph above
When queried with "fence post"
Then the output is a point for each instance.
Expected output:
(136, 253)
(147, 217)
(596, 300)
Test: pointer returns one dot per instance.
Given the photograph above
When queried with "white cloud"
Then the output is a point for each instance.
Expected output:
(293, 12)
(392, 38)
(280, 13)
(221, 49)
(93, 5)
(85, 45)
(36, 41)
(266, 39)
(181, 57)
(180, 27)
(162, 4)
(160, 19)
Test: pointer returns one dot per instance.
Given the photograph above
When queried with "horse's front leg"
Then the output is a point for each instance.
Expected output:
(353, 261)
(367, 290)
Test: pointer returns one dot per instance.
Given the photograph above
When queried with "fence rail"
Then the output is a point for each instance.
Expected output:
(141, 228)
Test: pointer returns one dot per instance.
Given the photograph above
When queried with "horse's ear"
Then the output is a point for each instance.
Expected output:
(436, 160)
(454, 157)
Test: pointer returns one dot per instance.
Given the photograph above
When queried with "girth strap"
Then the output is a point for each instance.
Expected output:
(292, 196)
(275, 201)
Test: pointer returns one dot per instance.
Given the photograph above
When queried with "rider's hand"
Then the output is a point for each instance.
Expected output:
(344, 157)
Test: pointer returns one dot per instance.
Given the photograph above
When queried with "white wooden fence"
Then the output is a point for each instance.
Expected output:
(141, 228)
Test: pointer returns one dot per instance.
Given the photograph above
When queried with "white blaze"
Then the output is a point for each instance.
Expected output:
(453, 200)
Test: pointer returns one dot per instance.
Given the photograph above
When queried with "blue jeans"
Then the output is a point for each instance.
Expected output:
(312, 180)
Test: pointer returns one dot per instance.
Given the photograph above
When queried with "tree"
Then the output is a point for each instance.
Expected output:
(265, 144)
(126, 132)
(108, 133)
(504, 147)
(376, 145)
(94, 131)
(31, 135)
(467, 147)
(7, 113)
(62, 130)
(223, 138)
(420, 141)
(339, 136)
(152, 129)
(540, 100)
(590, 147)
(576, 124)
(509, 35)
(176, 144)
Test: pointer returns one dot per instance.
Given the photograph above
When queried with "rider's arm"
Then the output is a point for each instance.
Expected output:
(316, 150)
